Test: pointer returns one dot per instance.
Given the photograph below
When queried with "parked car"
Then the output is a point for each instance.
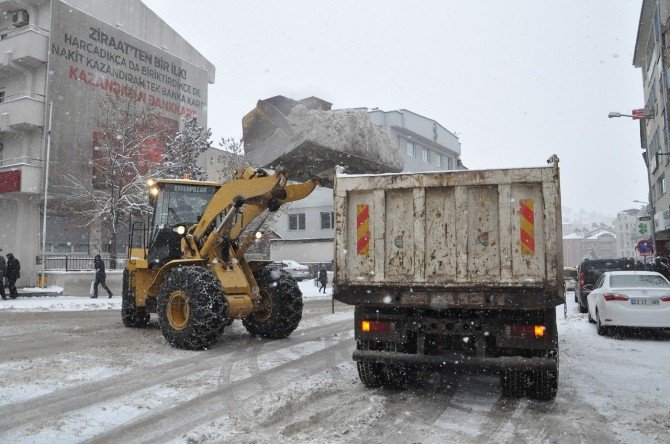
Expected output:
(630, 299)
(570, 278)
(295, 269)
(590, 271)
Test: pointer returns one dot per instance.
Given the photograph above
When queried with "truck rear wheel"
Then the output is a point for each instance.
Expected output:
(370, 373)
(513, 383)
(543, 384)
(398, 376)
(281, 311)
(131, 315)
(192, 308)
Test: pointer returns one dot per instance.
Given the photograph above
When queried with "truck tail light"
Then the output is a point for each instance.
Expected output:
(537, 331)
(614, 297)
(581, 280)
(665, 299)
(375, 326)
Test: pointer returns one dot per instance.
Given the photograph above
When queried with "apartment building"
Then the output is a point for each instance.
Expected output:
(57, 59)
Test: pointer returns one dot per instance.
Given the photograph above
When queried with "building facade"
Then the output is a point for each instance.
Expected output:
(306, 228)
(651, 56)
(630, 230)
(599, 243)
(59, 58)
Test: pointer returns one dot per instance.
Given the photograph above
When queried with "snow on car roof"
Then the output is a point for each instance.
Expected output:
(631, 272)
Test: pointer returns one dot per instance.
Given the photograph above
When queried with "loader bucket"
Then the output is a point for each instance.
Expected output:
(306, 139)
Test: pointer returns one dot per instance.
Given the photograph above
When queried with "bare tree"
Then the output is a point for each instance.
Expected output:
(127, 144)
(180, 157)
(231, 159)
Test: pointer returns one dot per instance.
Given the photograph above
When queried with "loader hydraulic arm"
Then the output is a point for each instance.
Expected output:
(247, 197)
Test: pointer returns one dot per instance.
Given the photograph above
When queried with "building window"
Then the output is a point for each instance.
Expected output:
(653, 193)
(450, 163)
(327, 220)
(657, 24)
(2, 95)
(424, 155)
(296, 221)
(653, 149)
(409, 149)
(437, 159)
(660, 186)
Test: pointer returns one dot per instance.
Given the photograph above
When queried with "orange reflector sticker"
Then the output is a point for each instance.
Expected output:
(363, 230)
(527, 219)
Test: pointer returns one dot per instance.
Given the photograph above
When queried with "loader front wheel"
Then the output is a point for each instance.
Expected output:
(280, 311)
(192, 308)
(131, 315)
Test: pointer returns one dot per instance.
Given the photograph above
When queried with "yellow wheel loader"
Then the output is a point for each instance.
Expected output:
(187, 263)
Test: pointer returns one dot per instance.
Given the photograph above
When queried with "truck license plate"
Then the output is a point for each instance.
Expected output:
(644, 302)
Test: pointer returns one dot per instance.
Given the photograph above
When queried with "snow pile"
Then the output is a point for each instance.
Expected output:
(311, 291)
(60, 303)
(53, 289)
(306, 139)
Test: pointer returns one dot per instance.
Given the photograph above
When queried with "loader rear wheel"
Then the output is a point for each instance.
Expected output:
(192, 308)
(131, 315)
(281, 309)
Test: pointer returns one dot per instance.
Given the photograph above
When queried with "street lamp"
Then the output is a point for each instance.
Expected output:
(637, 114)
(642, 115)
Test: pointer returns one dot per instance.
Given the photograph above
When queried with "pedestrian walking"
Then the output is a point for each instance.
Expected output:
(3, 273)
(13, 274)
(100, 277)
(323, 279)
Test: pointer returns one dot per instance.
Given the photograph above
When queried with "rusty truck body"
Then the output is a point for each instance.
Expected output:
(458, 271)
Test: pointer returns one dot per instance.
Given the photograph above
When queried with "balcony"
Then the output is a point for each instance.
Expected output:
(26, 47)
(21, 175)
(21, 112)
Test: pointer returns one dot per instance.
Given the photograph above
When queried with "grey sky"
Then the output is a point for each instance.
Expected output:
(516, 80)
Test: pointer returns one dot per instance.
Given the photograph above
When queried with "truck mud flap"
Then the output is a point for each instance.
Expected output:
(459, 362)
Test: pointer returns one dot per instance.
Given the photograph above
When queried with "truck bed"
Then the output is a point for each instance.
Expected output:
(471, 239)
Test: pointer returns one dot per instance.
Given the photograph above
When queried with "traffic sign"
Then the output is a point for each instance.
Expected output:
(645, 247)
(643, 228)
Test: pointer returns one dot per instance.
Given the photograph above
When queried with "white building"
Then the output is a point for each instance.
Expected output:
(68, 54)
(306, 227)
(599, 243)
(629, 231)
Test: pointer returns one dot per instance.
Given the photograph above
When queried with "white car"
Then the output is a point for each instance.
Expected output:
(295, 269)
(630, 299)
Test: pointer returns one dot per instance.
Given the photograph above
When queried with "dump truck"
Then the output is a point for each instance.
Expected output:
(453, 271)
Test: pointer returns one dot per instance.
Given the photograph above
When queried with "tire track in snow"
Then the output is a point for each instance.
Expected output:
(80, 396)
(177, 420)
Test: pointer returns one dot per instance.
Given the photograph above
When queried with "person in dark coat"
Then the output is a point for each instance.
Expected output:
(661, 266)
(13, 274)
(3, 273)
(323, 279)
(100, 277)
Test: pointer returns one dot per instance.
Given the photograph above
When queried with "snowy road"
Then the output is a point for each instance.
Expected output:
(81, 376)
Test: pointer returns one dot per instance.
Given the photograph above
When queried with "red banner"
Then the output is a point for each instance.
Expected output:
(10, 181)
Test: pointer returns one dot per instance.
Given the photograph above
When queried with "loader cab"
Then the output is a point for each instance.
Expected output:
(175, 204)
